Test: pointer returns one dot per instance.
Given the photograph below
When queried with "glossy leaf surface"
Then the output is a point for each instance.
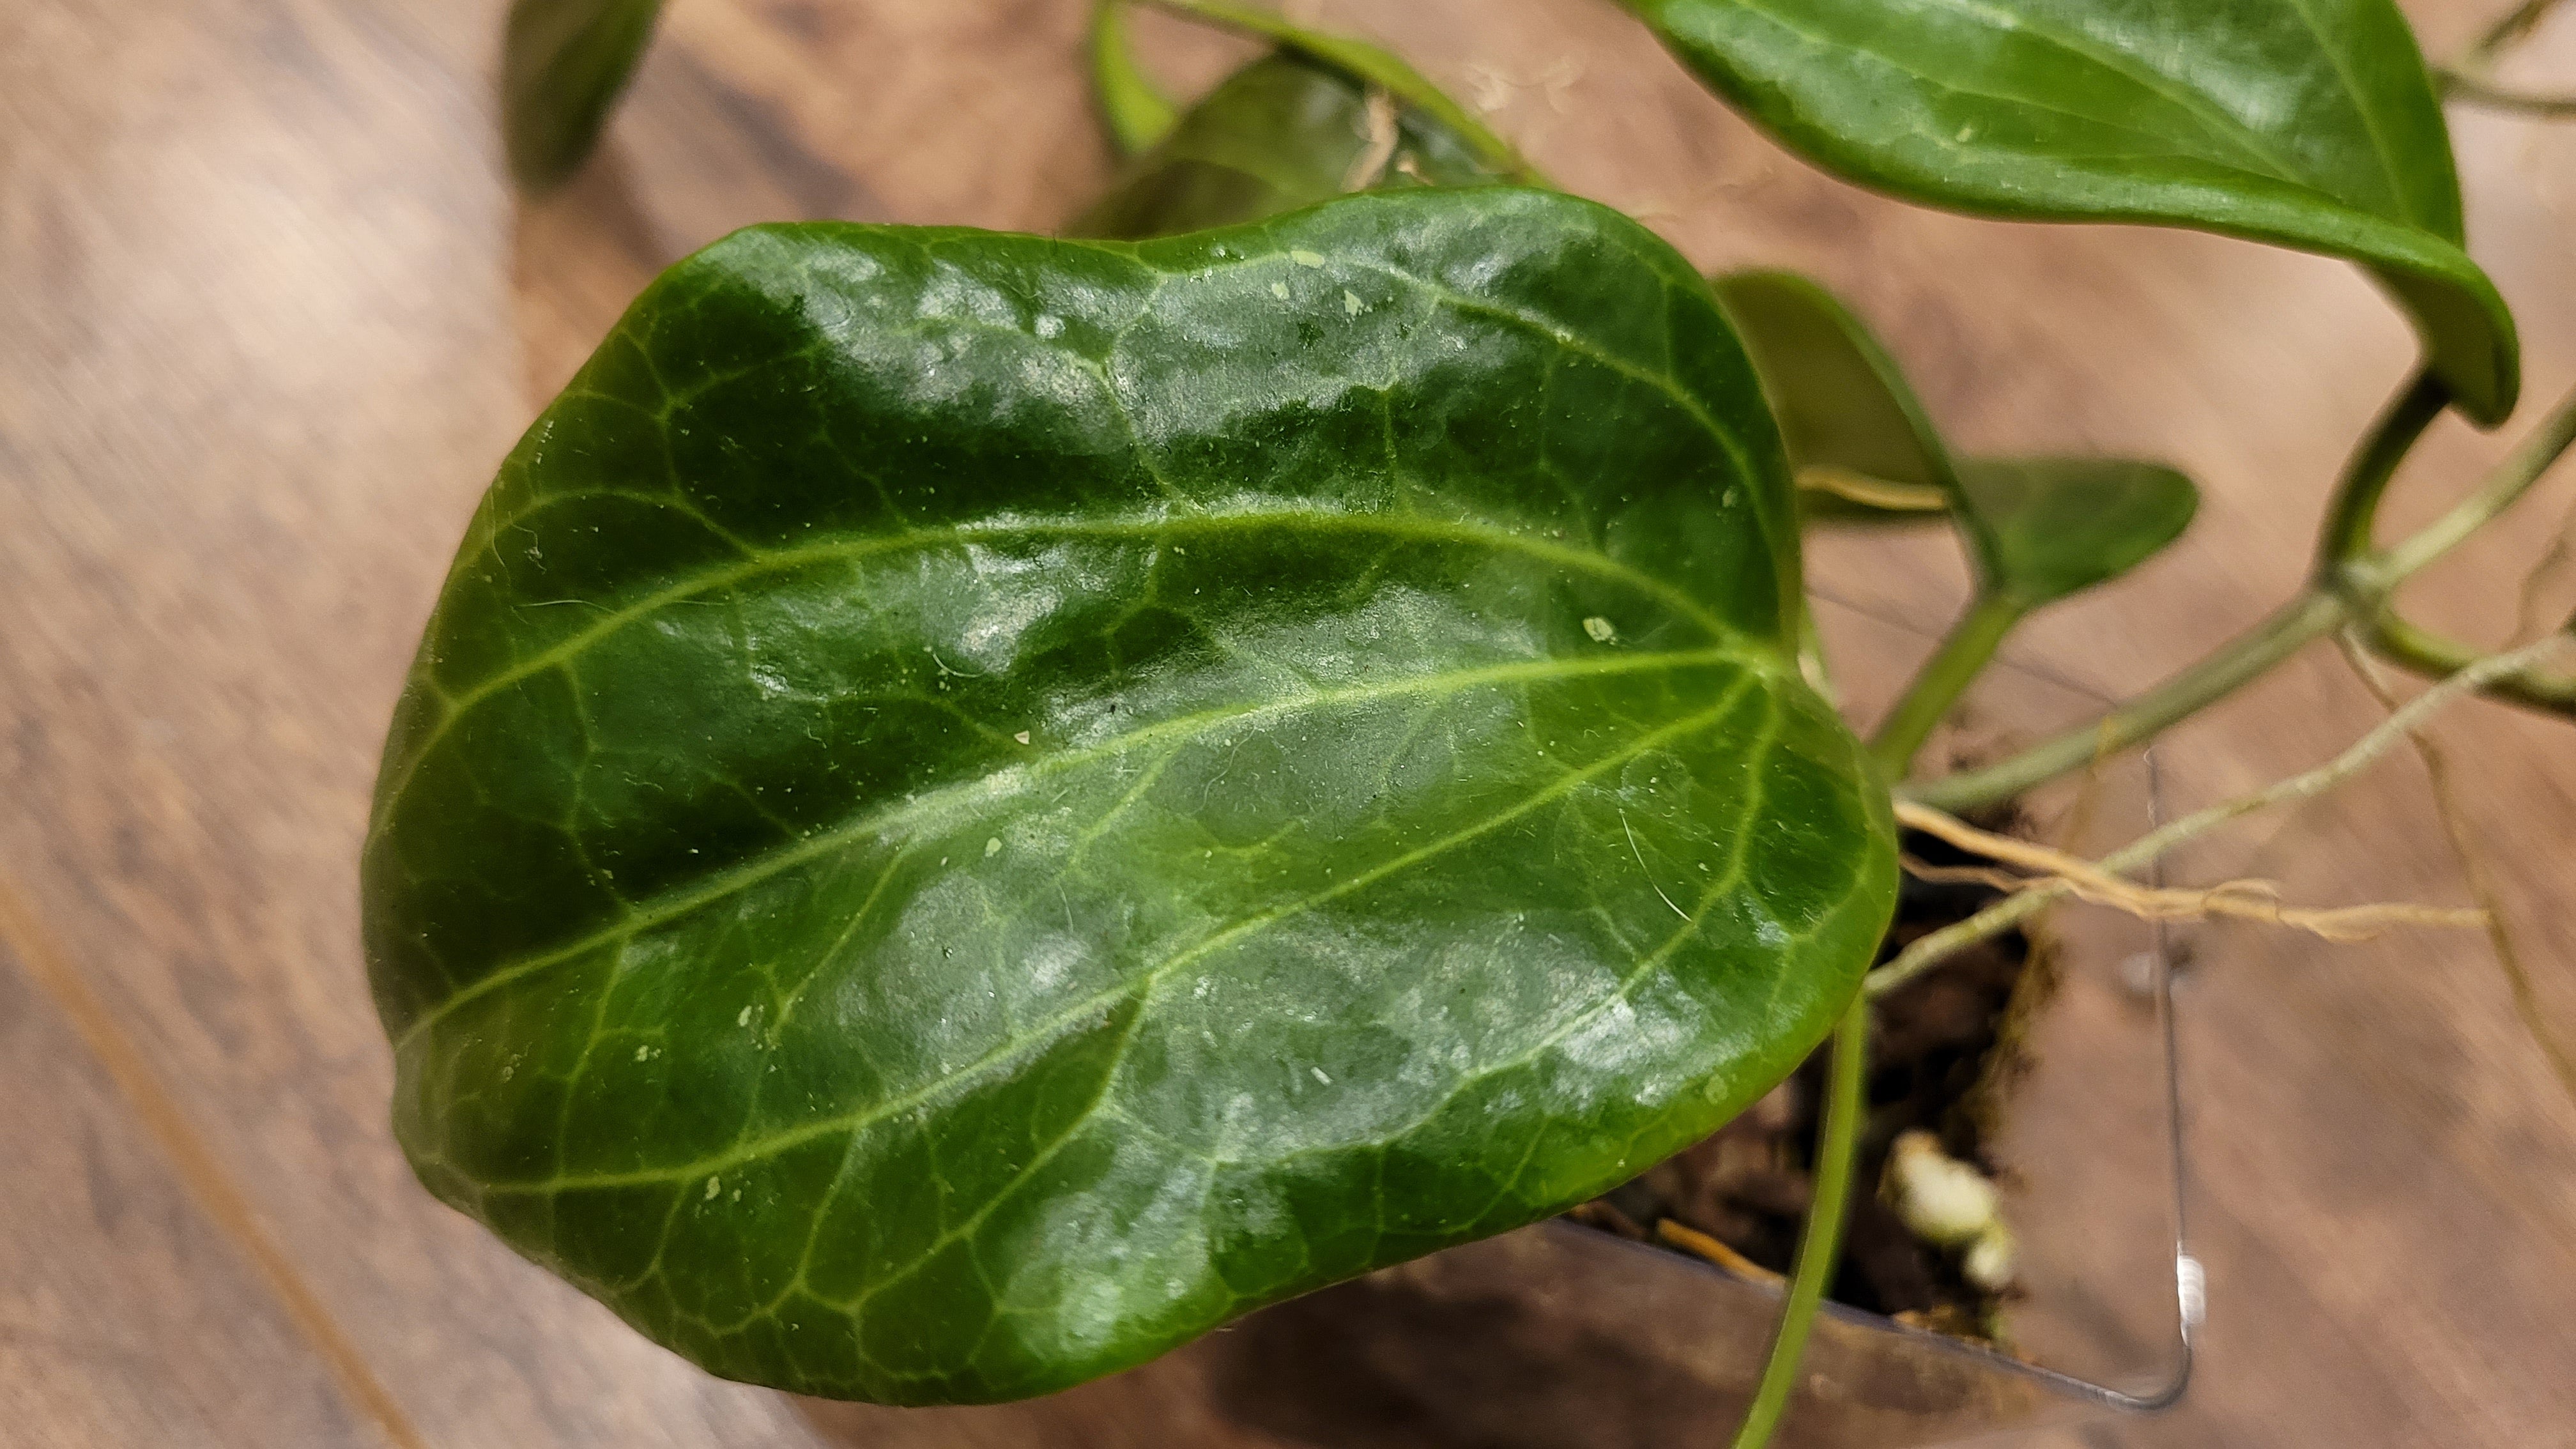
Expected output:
(2043, 528)
(2306, 123)
(563, 65)
(975, 806)
(1857, 435)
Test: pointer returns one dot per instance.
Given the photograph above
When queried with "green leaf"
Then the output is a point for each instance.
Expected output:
(1371, 65)
(2038, 528)
(1284, 132)
(2305, 123)
(1138, 112)
(563, 64)
(1862, 445)
(1317, 118)
(975, 806)
(2043, 528)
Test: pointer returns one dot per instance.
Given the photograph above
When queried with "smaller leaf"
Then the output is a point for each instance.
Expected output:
(2040, 529)
(563, 64)
(1318, 117)
(1138, 112)
(1284, 132)
(1864, 449)
(1372, 65)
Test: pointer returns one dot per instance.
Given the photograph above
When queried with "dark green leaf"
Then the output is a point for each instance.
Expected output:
(975, 806)
(1863, 448)
(563, 63)
(2043, 528)
(1138, 112)
(2306, 123)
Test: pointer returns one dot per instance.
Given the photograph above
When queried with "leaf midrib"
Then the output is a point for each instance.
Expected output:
(752, 871)
(1406, 526)
(1142, 982)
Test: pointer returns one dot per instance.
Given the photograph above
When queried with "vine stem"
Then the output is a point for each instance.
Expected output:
(1820, 1249)
(2355, 591)
(1929, 951)
(2470, 78)
(1942, 679)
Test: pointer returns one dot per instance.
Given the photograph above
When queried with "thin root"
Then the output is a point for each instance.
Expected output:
(2239, 900)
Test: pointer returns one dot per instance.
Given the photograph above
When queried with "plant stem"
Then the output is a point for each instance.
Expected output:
(1138, 112)
(2500, 490)
(2438, 656)
(2360, 589)
(1931, 950)
(1837, 1145)
(2354, 510)
(2467, 78)
(2478, 91)
(1942, 679)
(2312, 615)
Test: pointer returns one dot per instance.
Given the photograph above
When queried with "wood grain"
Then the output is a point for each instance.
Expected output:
(269, 317)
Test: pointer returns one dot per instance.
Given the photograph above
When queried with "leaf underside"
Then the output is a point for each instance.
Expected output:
(2304, 123)
(2037, 529)
(975, 806)
(1844, 407)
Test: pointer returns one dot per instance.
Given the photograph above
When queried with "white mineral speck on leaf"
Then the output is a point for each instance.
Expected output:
(714, 1186)
(1050, 325)
(643, 1053)
(992, 847)
(1600, 630)
(1022, 737)
(1352, 304)
(744, 1019)
(1319, 1075)
(1306, 258)
(1279, 290)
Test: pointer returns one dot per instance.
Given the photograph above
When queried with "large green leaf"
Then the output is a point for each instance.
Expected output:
(1862, 445)
(1318, 117)
(974, 806)
(563, 64)
(2307, 123)
(2043, 528)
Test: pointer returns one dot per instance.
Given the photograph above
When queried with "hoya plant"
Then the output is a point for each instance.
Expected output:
(976, 806)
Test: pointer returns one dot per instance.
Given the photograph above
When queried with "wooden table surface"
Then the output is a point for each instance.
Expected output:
(269, 316)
